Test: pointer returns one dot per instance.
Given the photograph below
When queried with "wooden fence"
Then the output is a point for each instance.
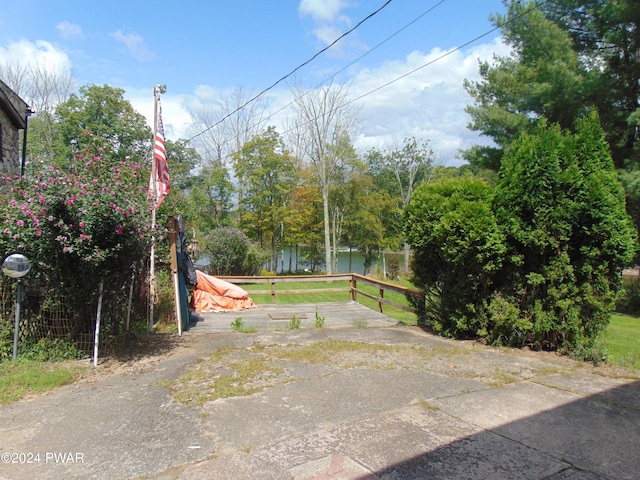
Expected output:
(351, 292)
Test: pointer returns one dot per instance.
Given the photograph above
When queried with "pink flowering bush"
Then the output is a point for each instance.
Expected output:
(80, 226)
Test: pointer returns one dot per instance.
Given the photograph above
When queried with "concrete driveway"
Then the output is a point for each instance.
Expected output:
(409, 406)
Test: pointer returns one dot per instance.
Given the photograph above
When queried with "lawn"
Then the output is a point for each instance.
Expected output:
(622, 340)
(24, 377)
(342, 296)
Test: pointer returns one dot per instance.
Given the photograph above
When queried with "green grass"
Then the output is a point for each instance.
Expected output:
(622, 340)
(321, 297)
(23, 378)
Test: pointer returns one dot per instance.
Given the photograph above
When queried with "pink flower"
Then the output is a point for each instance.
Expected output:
(119, 229)
(38, 232)
(81, 224)
(20, 223)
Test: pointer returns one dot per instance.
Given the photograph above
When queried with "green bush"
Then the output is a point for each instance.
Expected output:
(458, 249)
(536, 261)
(567, 230)
(230, 252)
(51, 350)
(629, 300)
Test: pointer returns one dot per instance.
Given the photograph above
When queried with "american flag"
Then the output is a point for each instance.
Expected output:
(161, 182)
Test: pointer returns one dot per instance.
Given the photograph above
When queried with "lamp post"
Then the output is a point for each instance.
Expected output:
(16, 266)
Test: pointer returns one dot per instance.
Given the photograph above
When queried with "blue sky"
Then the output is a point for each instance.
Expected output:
(203, 49)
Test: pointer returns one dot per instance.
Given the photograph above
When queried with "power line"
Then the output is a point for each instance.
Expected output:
(446, 54)
(292, 71)
(331, 77)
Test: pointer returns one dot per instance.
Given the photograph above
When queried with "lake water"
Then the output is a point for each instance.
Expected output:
(357, 262)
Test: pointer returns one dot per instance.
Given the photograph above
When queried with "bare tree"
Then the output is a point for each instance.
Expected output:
(43, 88)
(223, 127)
(411, 165)
(324, 117)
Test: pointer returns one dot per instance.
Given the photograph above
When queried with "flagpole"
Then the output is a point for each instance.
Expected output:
(157, 90)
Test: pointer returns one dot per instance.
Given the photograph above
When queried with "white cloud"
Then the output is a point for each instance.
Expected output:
(428, 104)
(330, 24)
(39, 54)
(321, 10)
(135, 44)
(69, 30)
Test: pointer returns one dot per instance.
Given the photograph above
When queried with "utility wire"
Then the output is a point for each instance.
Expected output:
(330, 78)
(444, 55)
(292, 71)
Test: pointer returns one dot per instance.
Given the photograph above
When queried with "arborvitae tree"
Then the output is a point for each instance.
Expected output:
(568, 233)
(457, 249)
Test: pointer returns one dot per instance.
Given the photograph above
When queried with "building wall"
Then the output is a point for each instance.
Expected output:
(10, 135)
(13, 113)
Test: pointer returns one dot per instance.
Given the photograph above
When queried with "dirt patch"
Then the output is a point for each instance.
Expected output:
(132, 356)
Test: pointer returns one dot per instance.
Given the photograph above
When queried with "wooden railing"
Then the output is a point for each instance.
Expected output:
(352, 290)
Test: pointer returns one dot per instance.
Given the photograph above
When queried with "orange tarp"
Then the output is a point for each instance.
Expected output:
(212, 294)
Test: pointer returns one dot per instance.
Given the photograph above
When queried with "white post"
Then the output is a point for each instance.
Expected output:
(96, 337)
(133, 277)
(176, 294)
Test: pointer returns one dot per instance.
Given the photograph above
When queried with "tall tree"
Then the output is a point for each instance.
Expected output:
(366, 207)
(43, 87)
(324, 118)
(268, 173)
(224, 126)
(102, 115)
(182, 160)
(303, 223)
(402, 169)
(542, 78)
(606, 36)
(568, 55)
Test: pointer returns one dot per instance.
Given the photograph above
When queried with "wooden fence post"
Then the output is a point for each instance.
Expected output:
(353, 284)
